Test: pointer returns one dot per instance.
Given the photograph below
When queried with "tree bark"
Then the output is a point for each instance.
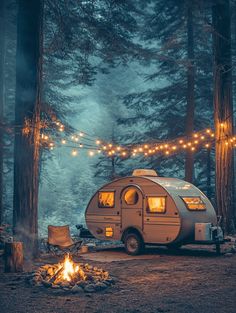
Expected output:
(2, 98)
(189, 124)
(13, 255)
(223, 113)
(27, 120)
(208, 174)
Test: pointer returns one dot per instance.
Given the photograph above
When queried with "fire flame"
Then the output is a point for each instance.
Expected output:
(70, 269)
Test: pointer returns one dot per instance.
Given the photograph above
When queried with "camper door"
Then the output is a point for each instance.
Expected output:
(132, 207)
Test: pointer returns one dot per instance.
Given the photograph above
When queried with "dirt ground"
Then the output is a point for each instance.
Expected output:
(188, 281)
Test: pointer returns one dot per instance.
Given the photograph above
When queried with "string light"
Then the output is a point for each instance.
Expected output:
(201, 139)
(74, 152)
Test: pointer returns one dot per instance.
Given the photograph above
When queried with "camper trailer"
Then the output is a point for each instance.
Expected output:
(147, 209)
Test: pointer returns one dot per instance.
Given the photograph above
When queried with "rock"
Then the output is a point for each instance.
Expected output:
(228, 254)
(66, 289)
(82, 283)
(107, 283)
(100, 286)
(65, 284)
(109, 280)
(46, 283)
(55, 286)
(77, 289)
(90, 288)
(36, 279)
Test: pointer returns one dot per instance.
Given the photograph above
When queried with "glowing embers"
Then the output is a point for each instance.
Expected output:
(71, 276)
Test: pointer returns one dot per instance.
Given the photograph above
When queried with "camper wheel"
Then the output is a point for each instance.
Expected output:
(134, 244)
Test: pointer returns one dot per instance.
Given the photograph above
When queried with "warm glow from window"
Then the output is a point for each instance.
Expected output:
(109, 231)
(131, 196)
(106, 199)
(156, 204)
(194, 203)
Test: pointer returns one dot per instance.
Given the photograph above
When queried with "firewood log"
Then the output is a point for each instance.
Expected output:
(13, 255)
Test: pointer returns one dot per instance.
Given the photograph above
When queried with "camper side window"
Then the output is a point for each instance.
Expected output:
(194, 203)
(156, 204)
(106, 199)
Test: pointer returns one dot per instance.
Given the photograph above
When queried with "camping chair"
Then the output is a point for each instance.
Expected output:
(60, 241)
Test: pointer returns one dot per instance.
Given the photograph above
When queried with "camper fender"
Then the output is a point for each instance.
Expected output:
(129, 230)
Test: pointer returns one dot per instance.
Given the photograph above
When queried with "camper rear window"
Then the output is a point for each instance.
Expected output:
(156, 204)
(106, 199)
(194, 203)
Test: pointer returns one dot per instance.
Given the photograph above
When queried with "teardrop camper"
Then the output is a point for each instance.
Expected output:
(147, 209)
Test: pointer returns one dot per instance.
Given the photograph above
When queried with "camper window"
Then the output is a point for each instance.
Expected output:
(156, 204)
(106, 199)
(194, 203)
(131, 196)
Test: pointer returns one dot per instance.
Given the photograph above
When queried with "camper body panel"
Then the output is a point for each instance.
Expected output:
(175, 225)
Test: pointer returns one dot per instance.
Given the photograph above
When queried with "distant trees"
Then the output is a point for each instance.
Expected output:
(27, 121)
(2, 99)
(178, 52)
(190, 106)
(223, 113)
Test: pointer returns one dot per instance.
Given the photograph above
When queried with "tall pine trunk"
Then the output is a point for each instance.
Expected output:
(189, 125)
(223, 113)
(27, 121)
(2, 98)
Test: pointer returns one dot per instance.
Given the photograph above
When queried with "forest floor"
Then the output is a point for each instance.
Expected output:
(190, 280)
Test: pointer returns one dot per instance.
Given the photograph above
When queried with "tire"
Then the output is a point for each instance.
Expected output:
(134, 244)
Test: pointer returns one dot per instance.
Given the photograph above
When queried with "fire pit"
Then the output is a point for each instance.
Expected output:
(70, 276)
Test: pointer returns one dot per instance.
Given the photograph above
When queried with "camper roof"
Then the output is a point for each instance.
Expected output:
(144, 172)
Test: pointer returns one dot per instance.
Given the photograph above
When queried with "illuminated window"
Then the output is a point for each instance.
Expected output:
(156, 204)
(109, 231)
(131, 196)
(194, 203)
(106, 199)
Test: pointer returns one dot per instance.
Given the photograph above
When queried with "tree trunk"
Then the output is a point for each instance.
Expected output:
(27, 120)
(208, 174)
(223, 113)
(2, 98)
(189, 125)
(13, 255)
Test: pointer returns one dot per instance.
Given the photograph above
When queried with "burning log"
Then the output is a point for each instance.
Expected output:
(69, 275)
(13, 255)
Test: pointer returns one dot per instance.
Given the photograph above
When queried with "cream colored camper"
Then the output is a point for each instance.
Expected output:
(147, 209)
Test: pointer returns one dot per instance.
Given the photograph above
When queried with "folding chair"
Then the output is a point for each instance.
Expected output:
(60, 241)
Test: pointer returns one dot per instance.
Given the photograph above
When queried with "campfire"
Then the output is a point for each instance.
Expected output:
(71, 276)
